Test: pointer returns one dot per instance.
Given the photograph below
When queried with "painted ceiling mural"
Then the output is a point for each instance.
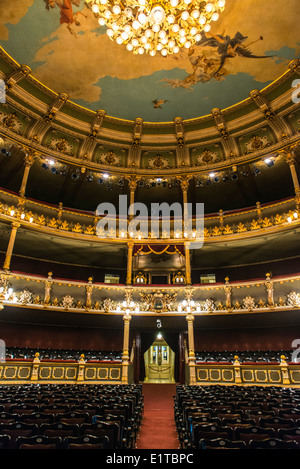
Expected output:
(250, 46)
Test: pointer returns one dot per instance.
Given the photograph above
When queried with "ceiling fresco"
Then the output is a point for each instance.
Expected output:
(247, 48)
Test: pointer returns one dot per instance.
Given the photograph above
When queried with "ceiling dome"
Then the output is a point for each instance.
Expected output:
(68, 51)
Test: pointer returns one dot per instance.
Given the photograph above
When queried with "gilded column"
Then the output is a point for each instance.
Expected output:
(228, 291)
(270, 290)
(10, 247)
(48, 287)
(184, 184)
(29, 160)
(125, 356)
(191, 355)
(132, 188)
(188, 275)
(290, 157)
(89, 289)
(129, 263)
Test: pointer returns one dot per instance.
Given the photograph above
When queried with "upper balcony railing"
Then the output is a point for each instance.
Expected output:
(252, 296)
(262, 219)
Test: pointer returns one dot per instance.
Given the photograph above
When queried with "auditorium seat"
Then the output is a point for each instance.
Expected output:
(290, 434)
(253, 433)
(86, 442)
(37, 418)
(272, 443)
(14, 430)
(210, 431)
(221, 443)
(5, 441)
(38, 442)
(275, 422)
(73, 418)
(100, 429)
(59, 429)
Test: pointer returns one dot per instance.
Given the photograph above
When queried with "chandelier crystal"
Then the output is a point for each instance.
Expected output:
(147, 26)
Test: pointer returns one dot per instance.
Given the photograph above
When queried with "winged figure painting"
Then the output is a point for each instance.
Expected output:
(211, 65)
(228, 47)
(157, 103)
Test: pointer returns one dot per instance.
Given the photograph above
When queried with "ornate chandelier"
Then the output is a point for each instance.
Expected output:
(147, 26)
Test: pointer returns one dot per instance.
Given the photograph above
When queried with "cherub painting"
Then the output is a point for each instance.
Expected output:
(67, 16)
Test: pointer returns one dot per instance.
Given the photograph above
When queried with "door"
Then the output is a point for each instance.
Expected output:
(159, 363)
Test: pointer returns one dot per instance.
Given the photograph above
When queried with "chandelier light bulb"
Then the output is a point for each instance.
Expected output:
(160, 26)
(142, 18)
(185, 15)
(136, 25)
(95, 8)
(116, 9)
(171, 19)
(207, 28)
(158, 14)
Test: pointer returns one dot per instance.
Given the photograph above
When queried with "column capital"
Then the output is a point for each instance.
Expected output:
(15, 225)
(190, 317)
(127, 318)
(184, 182)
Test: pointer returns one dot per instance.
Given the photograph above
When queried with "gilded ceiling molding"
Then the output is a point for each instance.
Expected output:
(42, 125)
(87, 148)
(279, 126)
(14, 77)
(229, 144)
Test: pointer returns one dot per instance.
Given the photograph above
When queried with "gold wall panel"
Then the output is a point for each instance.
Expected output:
(59, 372)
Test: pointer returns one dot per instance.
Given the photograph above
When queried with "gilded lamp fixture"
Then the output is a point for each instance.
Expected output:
(147, 26)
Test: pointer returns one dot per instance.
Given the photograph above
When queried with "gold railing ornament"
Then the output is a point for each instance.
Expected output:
(237, 370)
(284, 370)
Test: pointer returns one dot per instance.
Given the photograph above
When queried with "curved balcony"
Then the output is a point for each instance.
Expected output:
(54, 294)
(49, 124)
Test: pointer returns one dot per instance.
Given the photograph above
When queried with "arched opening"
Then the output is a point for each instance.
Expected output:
(159, 362)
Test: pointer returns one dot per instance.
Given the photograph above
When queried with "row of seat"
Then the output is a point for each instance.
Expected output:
(62, 354)
(244, 355)
(44, 442)
(249, 417)
(72, 411)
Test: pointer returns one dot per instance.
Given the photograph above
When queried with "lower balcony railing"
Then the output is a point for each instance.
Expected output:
(59, 371)
(269, 374)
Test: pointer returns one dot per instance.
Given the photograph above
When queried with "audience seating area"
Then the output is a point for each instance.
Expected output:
(61, 354)
(254, 417)
(244, 355)
(66, 416)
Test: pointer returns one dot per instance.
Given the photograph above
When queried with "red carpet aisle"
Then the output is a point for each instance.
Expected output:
(158, 427)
